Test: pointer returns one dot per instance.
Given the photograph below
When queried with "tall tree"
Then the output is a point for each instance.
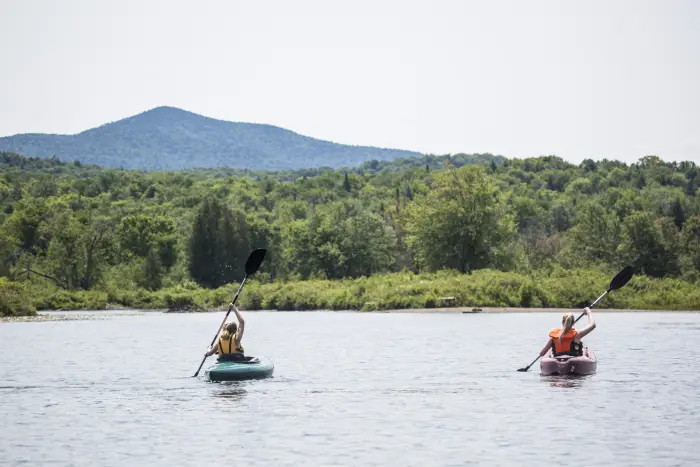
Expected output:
(81, 249)
(218, 245)
(462, 223)
(690, 243)
(642, 243)
(595, 237)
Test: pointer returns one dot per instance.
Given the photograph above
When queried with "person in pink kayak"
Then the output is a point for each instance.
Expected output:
(566, 340)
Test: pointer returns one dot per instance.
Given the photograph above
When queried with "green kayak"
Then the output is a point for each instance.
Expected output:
(254, 368)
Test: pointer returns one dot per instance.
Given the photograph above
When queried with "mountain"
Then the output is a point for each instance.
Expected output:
(167, 138)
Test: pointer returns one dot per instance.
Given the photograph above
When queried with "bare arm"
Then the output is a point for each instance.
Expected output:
(241, 325)
(546, 348)
(214, 349)
(591, 326)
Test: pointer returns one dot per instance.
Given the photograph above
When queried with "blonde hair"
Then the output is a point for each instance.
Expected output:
(567, 321)
(229, 331)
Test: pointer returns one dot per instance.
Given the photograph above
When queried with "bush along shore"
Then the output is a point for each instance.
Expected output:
(483, 288)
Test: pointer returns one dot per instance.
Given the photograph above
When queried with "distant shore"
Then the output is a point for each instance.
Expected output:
(473, 310)
(108, 314)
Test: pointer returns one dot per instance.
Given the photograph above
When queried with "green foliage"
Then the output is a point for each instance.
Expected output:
(595, 237)
(141, 233)
(56, 299)
(690, 244)
(81, 249)
(14, 299)
(152, 272)
(338, 241)
(462, 223)
(482, 288)
(649, 245)
(178, 240)
(219, 244)
(486, 288)
(27, 224)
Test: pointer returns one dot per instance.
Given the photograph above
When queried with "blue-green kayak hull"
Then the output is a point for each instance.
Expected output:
(257, 368)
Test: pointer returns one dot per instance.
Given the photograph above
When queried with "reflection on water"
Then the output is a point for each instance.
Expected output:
(571, 381)
(236, 393)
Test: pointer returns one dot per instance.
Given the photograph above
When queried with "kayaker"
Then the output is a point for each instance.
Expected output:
(566, 340)
(229, 342)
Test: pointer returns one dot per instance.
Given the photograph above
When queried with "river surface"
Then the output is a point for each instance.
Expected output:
(351, 389)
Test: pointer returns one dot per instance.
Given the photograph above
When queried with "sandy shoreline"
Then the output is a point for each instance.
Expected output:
(108, 314)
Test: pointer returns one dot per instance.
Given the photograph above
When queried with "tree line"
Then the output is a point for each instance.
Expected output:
(80, 227)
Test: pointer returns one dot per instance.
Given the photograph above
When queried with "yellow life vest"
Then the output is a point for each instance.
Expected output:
(228, 346)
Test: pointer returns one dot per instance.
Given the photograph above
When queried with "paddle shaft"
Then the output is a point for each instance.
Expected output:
(528, 367)
(222, 323)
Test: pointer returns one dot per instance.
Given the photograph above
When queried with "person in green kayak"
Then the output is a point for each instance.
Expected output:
(566, 340)
(229, 345)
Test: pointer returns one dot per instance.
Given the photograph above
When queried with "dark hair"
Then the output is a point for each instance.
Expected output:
(229, 330)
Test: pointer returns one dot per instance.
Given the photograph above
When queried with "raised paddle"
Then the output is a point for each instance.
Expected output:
(619, 281)
(251, 266)
(622, 278)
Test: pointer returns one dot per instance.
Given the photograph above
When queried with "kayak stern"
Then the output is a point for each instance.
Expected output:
(256, 368)
(568, 365)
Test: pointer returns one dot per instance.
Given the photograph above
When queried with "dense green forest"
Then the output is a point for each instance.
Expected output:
(465, 230)
(167, 138)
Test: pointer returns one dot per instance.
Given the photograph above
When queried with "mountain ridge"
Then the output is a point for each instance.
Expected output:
(169, 138)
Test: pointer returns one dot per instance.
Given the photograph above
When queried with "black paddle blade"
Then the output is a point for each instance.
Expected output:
(254, 261)
(622, 278)
(528, 367)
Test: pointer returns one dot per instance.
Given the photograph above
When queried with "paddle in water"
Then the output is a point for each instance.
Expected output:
(619, 281)
(251, 266)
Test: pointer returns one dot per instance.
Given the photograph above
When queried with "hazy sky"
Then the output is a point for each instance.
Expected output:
(615, 79)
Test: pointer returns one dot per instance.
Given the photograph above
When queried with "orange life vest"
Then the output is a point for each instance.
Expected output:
(567, 346)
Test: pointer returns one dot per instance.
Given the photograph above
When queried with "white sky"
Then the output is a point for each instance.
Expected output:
(601, 78)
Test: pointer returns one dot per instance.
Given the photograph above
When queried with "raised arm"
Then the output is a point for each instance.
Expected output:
(591, 325)
(241, 324)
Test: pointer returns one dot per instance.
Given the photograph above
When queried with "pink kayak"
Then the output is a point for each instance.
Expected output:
(566, 365)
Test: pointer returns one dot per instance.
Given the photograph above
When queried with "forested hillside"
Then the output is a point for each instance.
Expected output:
(166, 138)
(162, 238)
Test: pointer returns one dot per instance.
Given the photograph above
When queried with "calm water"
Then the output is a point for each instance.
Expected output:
(349, 389)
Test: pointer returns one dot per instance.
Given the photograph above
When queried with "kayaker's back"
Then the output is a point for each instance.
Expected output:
(565, 343)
